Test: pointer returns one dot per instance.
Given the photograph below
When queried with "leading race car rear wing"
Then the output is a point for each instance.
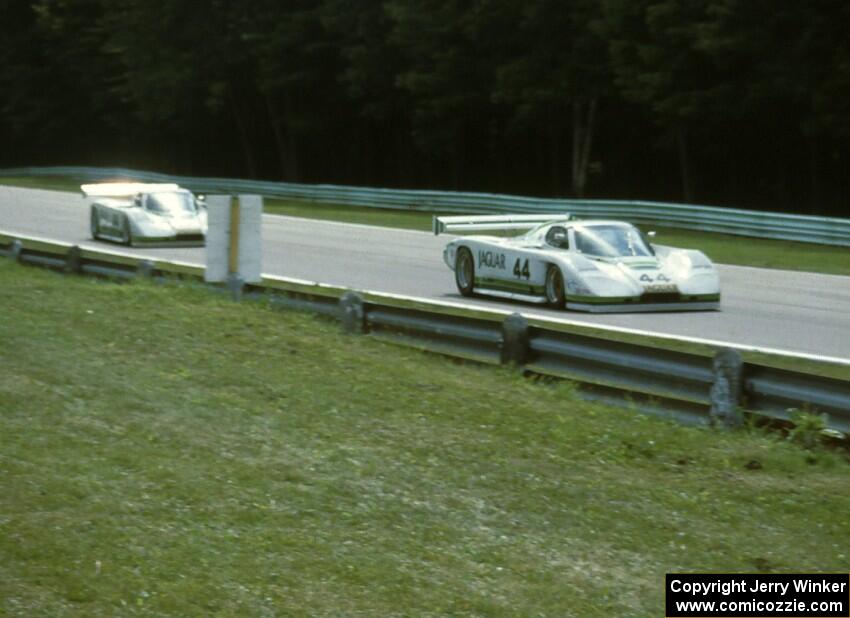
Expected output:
(492, 222)
(125, 189)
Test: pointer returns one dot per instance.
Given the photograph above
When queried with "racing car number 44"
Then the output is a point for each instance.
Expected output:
(589, 265)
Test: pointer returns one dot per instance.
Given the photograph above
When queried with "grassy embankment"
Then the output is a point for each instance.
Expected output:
(164, 451)
(722, 248)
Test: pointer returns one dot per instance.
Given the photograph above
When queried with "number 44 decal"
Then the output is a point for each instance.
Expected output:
(519, 273)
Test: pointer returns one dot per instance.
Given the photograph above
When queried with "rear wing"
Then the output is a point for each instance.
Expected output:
(493, 222)
(125, 189)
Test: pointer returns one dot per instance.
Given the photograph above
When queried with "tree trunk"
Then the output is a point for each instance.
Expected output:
(455, 161)
(279, 141)
(292, 159)
(402, 157)
(584, 117)
(684, 163)
(244, 139)
(815, 163)
(555, 136)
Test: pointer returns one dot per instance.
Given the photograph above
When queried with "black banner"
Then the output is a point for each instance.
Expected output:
(757, 595)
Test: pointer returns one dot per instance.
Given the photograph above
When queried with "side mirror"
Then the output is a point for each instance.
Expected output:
(651, 234)
(137, 200)
(557, 237)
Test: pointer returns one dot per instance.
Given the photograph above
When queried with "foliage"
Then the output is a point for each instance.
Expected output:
(739, 102)
(808, 430)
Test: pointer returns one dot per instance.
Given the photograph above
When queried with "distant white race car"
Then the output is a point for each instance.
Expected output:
(146, 214)
(595, 266)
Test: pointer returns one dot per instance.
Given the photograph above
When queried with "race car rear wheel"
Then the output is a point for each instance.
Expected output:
(555, 288)
(94, 228)
(464, 271)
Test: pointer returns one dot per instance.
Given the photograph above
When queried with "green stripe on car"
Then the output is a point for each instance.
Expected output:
(516, 287)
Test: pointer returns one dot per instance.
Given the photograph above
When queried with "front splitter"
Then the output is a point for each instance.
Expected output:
(644, 307)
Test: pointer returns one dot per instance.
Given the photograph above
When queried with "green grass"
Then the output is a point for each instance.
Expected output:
(722, 248)
(164, 451)
(54, 183)
(405, 219)
(760, 252)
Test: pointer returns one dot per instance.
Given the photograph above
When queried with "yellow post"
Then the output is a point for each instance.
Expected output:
(233, 262)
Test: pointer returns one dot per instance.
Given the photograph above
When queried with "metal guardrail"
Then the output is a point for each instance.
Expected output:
(802, 228)
(686, 384)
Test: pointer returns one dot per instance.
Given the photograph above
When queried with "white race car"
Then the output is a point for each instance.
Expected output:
(595, 266)
(146, 214)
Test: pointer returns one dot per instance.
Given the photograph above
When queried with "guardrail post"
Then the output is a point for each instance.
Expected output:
(514, 340)
(15, 250)
(235, 285)
(351, 313)
(145, 269)
(73, 260)
(726, 390)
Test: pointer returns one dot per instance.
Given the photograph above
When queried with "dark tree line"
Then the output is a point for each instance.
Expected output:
(736, 102)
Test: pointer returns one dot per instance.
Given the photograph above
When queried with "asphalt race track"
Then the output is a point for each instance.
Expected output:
(801, 312)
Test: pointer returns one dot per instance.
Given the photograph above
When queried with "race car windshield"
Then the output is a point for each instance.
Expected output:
(171, 204)
(611, 241)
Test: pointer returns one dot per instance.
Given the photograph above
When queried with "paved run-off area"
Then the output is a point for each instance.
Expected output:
(795, 311)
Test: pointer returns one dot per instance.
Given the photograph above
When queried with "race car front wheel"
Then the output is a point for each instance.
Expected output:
(126, 237)
(94, 226)
(555, 288)
(464, 271)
